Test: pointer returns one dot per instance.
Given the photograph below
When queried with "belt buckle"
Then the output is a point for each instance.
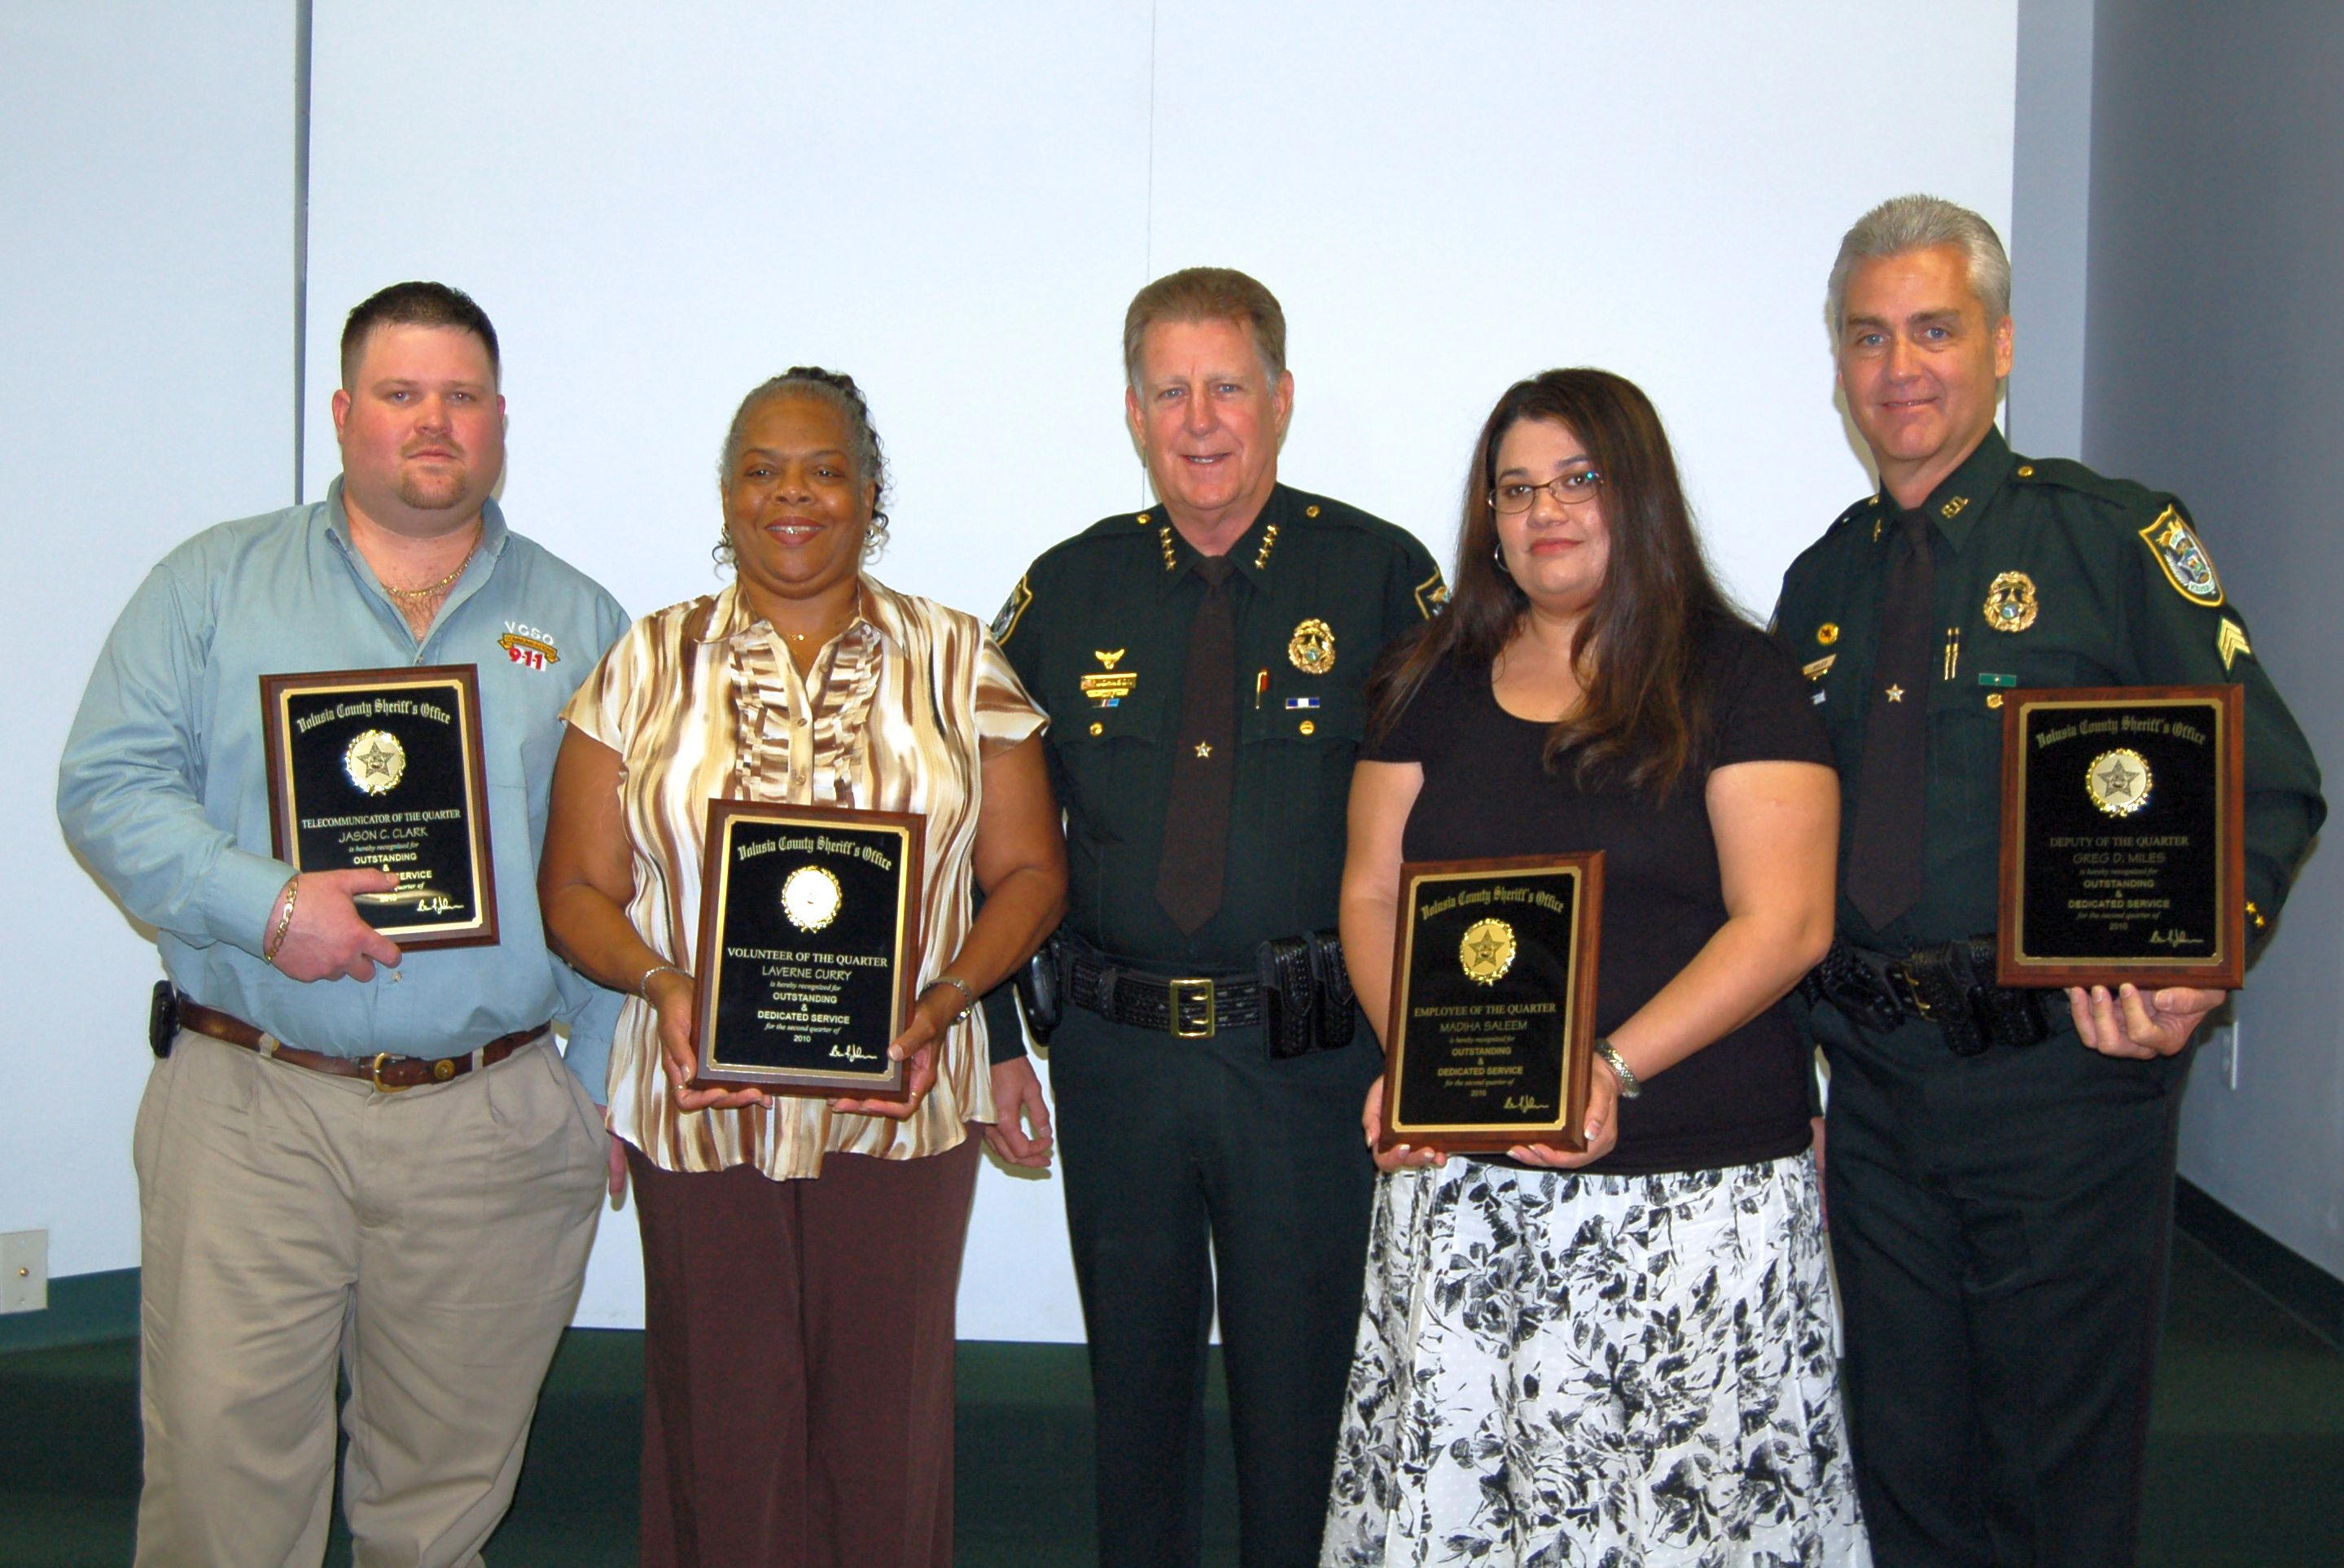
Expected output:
(1182, 990)
(374, 1071)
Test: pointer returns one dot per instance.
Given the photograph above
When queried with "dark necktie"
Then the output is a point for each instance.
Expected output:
(1204, 762)
(1884, 861)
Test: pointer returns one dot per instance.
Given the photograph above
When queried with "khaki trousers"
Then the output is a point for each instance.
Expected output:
(431, 1242)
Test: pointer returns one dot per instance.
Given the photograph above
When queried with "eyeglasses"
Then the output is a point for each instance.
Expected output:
(1575, 487)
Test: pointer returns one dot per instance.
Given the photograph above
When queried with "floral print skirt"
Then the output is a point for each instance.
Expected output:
(1615, 1371)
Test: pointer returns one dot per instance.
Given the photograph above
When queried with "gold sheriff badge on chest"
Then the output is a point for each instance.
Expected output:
(2010, 604)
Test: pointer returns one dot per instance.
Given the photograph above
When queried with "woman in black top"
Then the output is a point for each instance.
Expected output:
(1623, 1355)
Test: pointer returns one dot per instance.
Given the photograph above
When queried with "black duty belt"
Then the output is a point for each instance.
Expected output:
(1300, 993)
(1950, 985)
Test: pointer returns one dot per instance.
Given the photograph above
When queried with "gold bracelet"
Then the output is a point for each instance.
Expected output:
(276, 943)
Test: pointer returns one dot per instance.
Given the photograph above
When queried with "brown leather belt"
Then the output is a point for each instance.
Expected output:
(385, 1072)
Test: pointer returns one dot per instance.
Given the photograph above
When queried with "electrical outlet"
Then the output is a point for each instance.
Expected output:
(2224, 1042)
(24, 1271)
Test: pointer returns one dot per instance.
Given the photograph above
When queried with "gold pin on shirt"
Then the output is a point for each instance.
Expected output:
(1311, 649)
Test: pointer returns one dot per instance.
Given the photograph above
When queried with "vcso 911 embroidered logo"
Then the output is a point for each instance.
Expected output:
(529, 647)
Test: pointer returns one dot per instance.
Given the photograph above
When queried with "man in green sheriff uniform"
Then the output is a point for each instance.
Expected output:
(1999, 1219)
(1202, 663)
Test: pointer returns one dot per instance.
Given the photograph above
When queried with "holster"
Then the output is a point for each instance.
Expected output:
(163, 1018)
(1950, 984)
(1041, 984)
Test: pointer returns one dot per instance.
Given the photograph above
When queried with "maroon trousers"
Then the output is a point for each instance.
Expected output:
(798, 1363)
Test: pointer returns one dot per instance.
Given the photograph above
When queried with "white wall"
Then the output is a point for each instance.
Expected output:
(954, 203)
(145, 391)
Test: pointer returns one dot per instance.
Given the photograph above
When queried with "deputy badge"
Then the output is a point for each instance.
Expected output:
(2186, 565)
(2118, 780)
(810, 898)
(1014, 606)
(2010, 603)
(1487, 952)
(1311, 649)
(375, 761)
(1431, 595)
(2232, 641)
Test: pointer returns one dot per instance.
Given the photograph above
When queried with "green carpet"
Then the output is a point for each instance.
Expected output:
(2245, 1464)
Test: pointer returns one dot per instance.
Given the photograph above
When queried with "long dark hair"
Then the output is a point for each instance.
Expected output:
(1637, 650)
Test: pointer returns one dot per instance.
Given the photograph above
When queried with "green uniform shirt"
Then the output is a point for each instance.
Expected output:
(1099, 630)
(2047, 576)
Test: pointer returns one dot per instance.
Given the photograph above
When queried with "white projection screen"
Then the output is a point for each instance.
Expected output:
(661, 206)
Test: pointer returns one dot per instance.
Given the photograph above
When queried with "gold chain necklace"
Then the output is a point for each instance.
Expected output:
(429, 589)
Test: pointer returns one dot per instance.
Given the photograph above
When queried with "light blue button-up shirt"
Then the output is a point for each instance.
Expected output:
(163, 789)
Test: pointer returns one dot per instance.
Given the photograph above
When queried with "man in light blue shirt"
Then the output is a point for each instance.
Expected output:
(349, 1151)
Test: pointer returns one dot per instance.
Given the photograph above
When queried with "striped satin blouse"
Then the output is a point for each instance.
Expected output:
(701, 701)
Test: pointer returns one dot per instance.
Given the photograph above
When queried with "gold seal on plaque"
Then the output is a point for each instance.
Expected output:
(2118, 780)
(810, 898)
(375, 761)
(2010, 603)
(1487, 952)
(1311, 649)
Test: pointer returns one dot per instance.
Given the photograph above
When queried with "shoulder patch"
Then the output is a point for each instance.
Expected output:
(1431, 595)
(2186, 563)
(1012, 612)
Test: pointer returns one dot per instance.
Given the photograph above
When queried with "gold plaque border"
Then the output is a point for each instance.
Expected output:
(277, 693)
(1585, 871)
(2014, 964)
(908, 830)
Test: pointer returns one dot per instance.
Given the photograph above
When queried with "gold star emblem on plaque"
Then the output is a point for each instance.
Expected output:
(1204, 748)
(2118, 780)
(1311, 649)
(2010, 604)
(1487, 952)
(810, 898)
(375, 761)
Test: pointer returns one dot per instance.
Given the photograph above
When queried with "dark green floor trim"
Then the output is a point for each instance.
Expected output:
(83, 1308)
(2277, 1270)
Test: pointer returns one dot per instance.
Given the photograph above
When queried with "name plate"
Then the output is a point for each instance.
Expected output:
(808, 938)
(2123, 833)
(383, 769)
(1492, 1023)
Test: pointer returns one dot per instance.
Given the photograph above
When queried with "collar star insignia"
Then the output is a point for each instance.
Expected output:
(1205, 748)
(1896, 694)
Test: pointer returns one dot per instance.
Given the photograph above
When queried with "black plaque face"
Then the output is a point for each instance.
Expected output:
(2123, 814)
(384, 768)
(809, 927)
(1493, 1003)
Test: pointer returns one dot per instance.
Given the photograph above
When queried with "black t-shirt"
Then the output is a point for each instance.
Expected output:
(1740, 1099)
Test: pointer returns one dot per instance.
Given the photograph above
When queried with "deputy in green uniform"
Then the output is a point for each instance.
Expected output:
(1202, 663)
(2000, 1174)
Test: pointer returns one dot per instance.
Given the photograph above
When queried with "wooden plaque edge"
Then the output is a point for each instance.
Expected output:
(2227, 971)
(891, 1088)
(466, 679)
(1578, 1054)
